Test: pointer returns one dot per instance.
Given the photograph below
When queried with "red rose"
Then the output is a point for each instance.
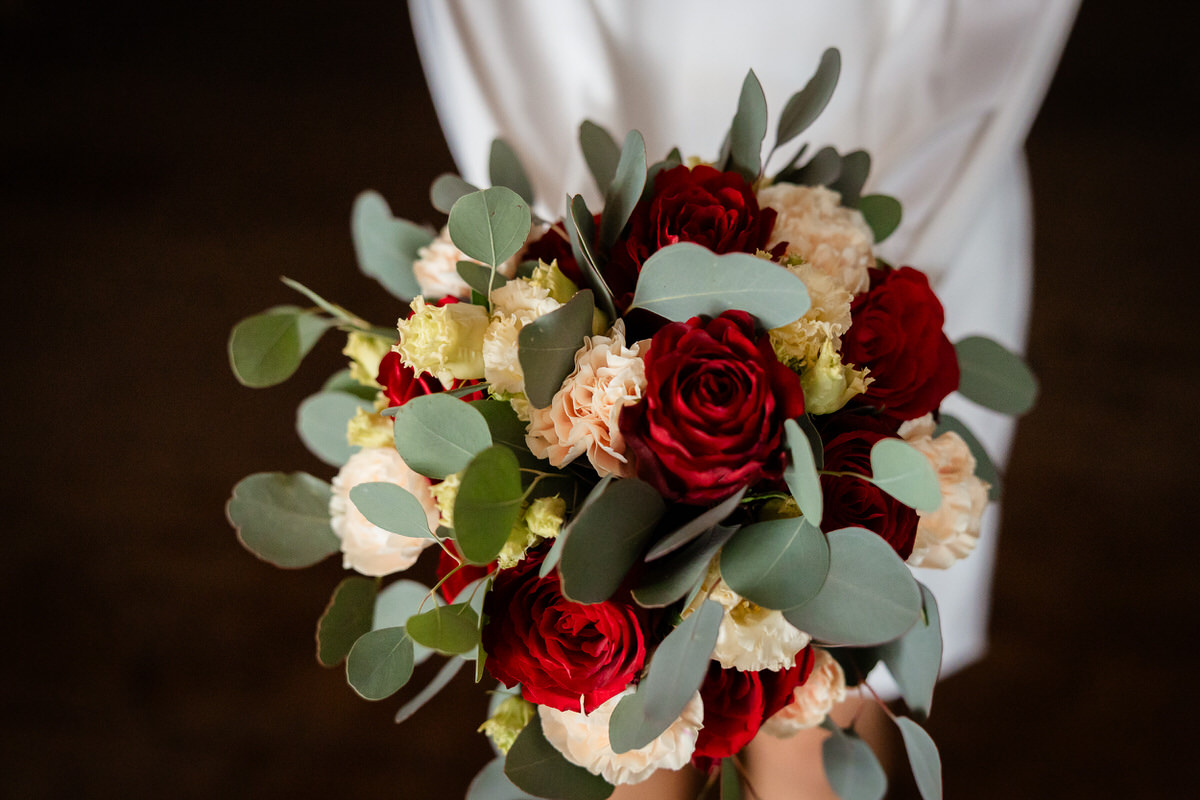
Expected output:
(700, 205)
(557, 650)
(896, 332)
(737, 703)
(711, 418)
(460, 579)
(852, 502)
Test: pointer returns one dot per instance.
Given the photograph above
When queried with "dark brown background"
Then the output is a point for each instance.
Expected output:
(162, 164)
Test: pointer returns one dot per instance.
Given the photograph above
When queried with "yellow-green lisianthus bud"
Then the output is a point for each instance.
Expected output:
(444, 495)
(446, 341)
(828, 383)
(551, 278)
(545, 516)
(365, 352)
(510, 719)
(369, 430)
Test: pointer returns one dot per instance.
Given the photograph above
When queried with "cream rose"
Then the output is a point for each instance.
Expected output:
(582, 417)
(836, 240)
(583, 740)
(950, 533)
(366, 547)
(812, 700)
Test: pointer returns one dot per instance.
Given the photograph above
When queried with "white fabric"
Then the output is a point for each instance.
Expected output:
(940, 93)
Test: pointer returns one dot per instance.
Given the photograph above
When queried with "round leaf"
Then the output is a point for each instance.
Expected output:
(853, 174)
(380, 663)
(487, 504)
(667, 579)
(283, 519)
(321, 422)
(492, 784)
(264, 350)
(994, 377)
(347, 617)
(777, 564)
(882, 214)
(438, 435)
(546, 347)
(906, 474)
(695, 527)
(852, 769)
(504, 168)
(398, 601)
(923, 757)
(869, 596)
(446, 629)
(391, 507)
(536, 766)
(617, 524)
(446, 189)
(915, 659)
(801, 474)
(386, 247)
(490, 226)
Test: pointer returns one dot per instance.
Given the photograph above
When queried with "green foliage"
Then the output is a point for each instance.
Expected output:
(380, 663)
(490, 226)
(386, 247)
(780, 563)
(446, 189)
(994, 377)
(821, 170)
(801, 473)
(488, 504)
(398, 601)
(683, 280)
(906, 474)
(923, 757)
(748, 129)
(851, 768)
(671, 577)
(438, 435)
(803, 108)
(731, 783)
(581, 230)
(506, 428)
(869, 596)
(440, 681)
(347, 617)
(504, 168)
(985, 468)
(536, 766)
(341, 381)
(915, 659)
(283, 519)
(695, 526)
(882, 213)
(625, 189)
(266, 349)
(853, 174)
(546, 347)
(391, 507)
(447, 629)
(321, 423)
(616, 524)
(676, 672)
(601, 152)
(492, 784)
(481, 279)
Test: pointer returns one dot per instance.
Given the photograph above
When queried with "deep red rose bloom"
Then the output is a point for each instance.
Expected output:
(711, 418)
(461, 579)
(896, 332)
(701, 205)
(737, 703)
(852, 502)
(557, 650)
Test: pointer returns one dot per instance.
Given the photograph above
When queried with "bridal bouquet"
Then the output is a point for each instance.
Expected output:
(674, 458)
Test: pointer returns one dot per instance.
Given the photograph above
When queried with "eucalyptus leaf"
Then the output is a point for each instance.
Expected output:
(882, 213)
(731, 782)
(487, 505)
(438, 435)
(869, 596)
(581, 230)
(801, 473)
(851, 768)
(266, 349)
(618, 524)
(321, 422)
(347, 617)
(676, 672)
(625, 190)
(601, 152)
(821, 170)
(994, 377)
(915, 659)
(546, 347)
(380, 663)
(748, 129)
(492, 784)
(923, 757)
(985, 468)
(446, 189)
(671, 577)
(480, 278)
(440, 681)
(341, 381)
(853, 174)
(777, 564)
(803, 108)
(446, 629)
(696, 526)
(906, 474)
(490, 226)
(386, 247)
(504, 168)
(400, 600)
(684, 280)
(393, 508)
(506, 428)
(283, 519)
(537, 767)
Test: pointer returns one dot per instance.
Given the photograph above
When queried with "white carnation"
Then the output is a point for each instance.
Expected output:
(812, 700)
(583, 740)
(818, 228)
(366, 547)
(514, 305)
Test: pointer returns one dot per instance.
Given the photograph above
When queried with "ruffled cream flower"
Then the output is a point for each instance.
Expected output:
(366, 547)
(511, 717)
(751, 637)
(446, 341)
(836, 240)
(582, 417)
(436, 268)
(799, 343)
(950, 533)
(829, 384)
(583, 740)
(539, 520)
(812, 700)
(514, 305)
(365, 354)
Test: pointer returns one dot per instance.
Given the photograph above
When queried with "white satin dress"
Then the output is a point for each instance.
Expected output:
(940, 93)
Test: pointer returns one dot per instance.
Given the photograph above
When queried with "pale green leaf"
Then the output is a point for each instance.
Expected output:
(431, 690)
(695, 526)
(581, 230)
(391, 507)
(438, 435)
(446, 629)
(601, 153)
(994, 377)
(821, 170)
(923, 757)
(748, 129)
(915, 659)
(882, 213)
(341, 381)
(492, 784)
(266, 349)
(487, 505)
(684, 280)
(777, 564)
(283, 519)
(625, 190)
(490, 226)
(380, 663)
(851, 177)
(321, 423)
(386, 247)
(851, 768)
(481, 278)
(504, 168)
(546, 347)
(446, 189)
(906, 474)
(803, 108)
(671, 577)
(347, 617)
(537, 767)
(801, 473)
(400, 600)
